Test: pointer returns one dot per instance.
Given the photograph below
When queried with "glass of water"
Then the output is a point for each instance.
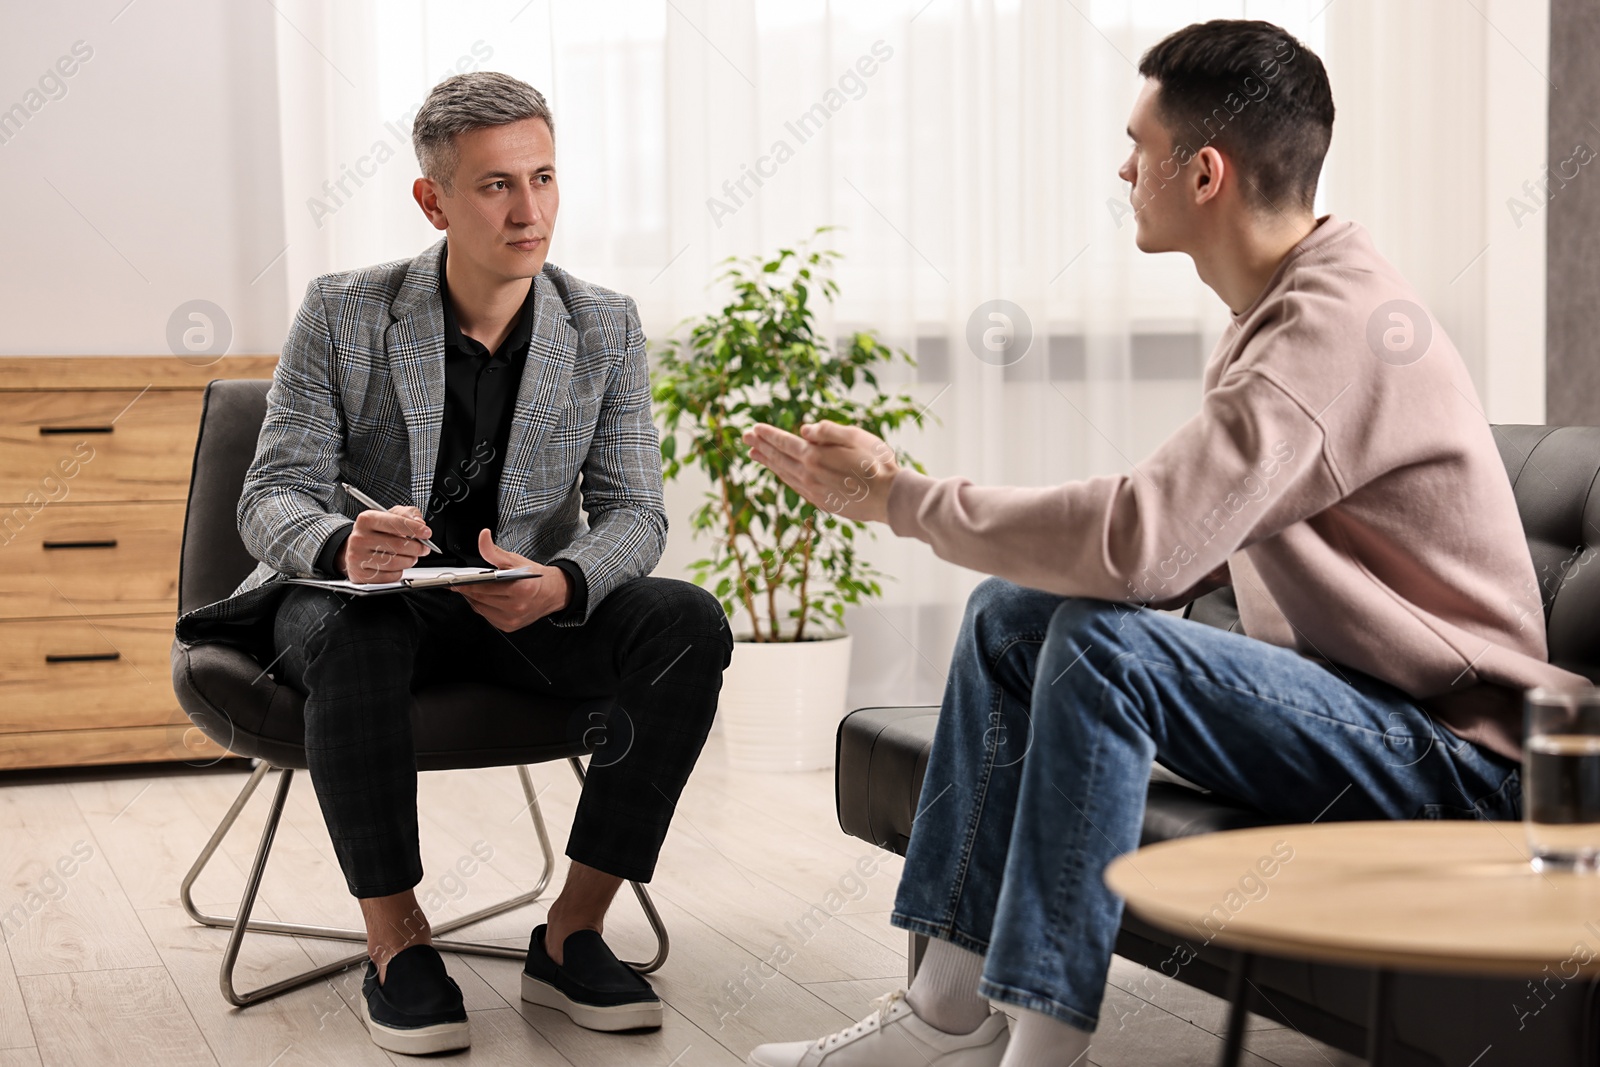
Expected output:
(1561, 779)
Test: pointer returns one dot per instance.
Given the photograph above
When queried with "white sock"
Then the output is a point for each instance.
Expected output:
(1040, 1040)
(945, 992)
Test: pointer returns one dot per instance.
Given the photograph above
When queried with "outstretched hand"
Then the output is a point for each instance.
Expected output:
(841, 469)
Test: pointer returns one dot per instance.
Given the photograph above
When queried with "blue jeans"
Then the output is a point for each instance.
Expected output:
(1055, 709)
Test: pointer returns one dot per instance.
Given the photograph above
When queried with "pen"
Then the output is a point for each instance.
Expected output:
(363, 498)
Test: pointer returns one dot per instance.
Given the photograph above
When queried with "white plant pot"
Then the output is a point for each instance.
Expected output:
(781, 703)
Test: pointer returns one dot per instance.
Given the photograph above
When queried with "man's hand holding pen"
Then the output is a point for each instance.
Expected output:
(383, 544)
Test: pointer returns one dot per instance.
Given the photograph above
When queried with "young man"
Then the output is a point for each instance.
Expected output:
(487, 394)
(1338, 474)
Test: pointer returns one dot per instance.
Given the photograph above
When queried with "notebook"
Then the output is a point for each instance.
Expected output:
(420, 578)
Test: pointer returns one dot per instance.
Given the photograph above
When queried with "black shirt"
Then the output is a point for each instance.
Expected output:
(480, 394)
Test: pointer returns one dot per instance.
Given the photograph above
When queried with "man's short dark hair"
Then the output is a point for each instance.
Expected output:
(1256, 93)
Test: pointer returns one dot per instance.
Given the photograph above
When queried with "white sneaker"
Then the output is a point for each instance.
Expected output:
(892, 1036)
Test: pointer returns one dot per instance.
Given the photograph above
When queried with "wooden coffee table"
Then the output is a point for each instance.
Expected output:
(1452, 897)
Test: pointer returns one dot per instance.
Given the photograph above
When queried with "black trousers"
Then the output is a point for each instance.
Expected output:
(656, 645)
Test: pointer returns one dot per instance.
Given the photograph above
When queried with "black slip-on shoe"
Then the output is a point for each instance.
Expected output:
(595, 989)
(418, 1007)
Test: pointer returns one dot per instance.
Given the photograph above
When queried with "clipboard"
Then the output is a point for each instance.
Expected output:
(420, 578)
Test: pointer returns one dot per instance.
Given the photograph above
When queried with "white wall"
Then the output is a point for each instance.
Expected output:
(152, 179)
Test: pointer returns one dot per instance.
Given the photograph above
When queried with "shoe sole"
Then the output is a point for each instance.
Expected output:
(590, 1016)
(417, 1041)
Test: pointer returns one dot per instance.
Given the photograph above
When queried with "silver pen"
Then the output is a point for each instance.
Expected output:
(363, 498)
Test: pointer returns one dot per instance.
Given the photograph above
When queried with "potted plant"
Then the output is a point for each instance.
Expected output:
(790, 567)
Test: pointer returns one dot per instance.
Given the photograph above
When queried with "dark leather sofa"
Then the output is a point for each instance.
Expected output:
(1436, 1020)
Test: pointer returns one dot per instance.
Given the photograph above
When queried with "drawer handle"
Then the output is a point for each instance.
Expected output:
(54, 431)
(110, 543)
(80, 657)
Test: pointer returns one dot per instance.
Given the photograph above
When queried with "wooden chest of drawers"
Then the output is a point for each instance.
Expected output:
(94, 472)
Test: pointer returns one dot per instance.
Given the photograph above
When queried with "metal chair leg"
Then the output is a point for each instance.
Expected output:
(647, 905)
(241, 924)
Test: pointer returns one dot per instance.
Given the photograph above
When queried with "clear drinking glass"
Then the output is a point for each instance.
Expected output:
(1561, 779)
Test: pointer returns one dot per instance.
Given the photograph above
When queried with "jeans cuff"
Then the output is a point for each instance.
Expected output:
(1021, 998)
(939, 932)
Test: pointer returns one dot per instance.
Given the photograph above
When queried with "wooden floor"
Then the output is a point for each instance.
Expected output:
(776, 934)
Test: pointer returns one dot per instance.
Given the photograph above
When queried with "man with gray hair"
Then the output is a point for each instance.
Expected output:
(487, 394)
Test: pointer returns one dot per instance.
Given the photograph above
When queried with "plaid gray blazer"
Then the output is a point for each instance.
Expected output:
(358, 396)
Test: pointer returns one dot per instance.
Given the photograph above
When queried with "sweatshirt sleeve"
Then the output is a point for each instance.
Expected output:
(1250, 464)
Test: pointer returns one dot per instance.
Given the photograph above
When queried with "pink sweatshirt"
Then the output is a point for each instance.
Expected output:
(1358, 503)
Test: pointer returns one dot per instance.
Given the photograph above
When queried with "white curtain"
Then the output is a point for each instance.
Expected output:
(967, 149)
